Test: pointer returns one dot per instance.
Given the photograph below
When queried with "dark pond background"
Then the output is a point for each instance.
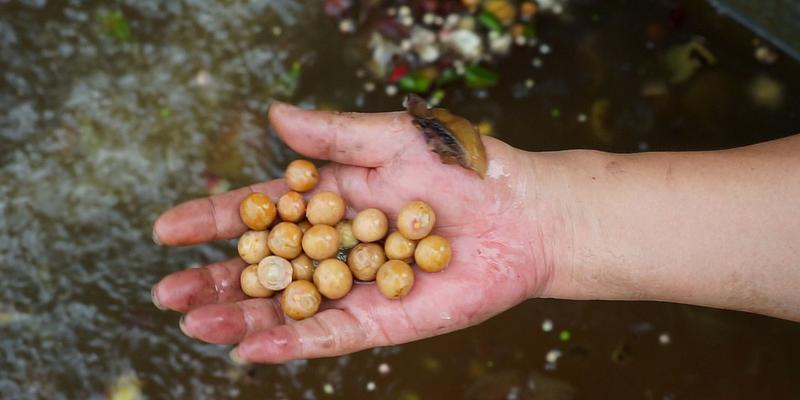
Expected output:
(112, 111)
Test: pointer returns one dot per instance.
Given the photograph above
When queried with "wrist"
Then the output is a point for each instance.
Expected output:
(575, 264)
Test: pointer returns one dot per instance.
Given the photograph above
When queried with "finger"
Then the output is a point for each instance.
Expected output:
(194, 287)
(230, 323)
(366, 140)
(210, 218)
(329, 333)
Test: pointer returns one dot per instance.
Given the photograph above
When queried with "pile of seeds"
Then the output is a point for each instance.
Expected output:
(311, 251)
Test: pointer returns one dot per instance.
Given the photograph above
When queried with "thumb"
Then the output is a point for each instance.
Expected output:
(365, 140)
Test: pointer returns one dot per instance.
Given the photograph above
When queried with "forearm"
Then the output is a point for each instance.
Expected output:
(720, 229)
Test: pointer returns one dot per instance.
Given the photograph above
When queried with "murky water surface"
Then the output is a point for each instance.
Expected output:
(111, 111)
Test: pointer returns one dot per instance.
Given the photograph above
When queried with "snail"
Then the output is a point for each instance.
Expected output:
(453, 138)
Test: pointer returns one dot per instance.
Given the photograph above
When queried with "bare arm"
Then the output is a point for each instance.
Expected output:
(711, 228)
(720, 228)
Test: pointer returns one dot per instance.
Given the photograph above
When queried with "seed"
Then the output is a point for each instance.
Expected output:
(301, 175)
(395, 279)
(300, 300)
(285, 240)
(416, 220)
(302, 268)
(250, 285)
(292, 207)
(253, 247)
(257, 211)
(274, 273)
(365, 259)
(346, 237)
(304, 225)
(432, 253)
(325, 208)
(397, 247)
(370, 225)
(333, 278)
(321, 242)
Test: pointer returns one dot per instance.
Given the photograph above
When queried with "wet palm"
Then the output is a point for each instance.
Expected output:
(381, 161)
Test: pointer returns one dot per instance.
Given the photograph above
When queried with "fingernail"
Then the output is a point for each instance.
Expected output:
(182, 325)
(156, 240)
(234, 355)
(154, 299)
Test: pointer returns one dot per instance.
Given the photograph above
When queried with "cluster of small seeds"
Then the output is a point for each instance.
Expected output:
(308, 250)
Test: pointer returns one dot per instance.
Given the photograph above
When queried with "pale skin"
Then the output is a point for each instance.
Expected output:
(717, 228)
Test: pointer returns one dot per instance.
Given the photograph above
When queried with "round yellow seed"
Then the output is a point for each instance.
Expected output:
(415, 220)
(302, 268)
(301, 175)
(346, 238)
(397, 247)
(274, 273)
(285, 240)
(395, 279)
(333, 278)
(300, 300)
(321, 242)
(432, 254)
(292, 207)
(253, 247)
(365, 259)
(325, 208)
(257, 211)
(249, 283)
(370, 225)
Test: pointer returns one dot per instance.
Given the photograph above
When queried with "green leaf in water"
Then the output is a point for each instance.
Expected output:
(116, 26)
(490, 21)
(437, 97)
(477, 77)
(165, 112)
(414, 82)
(529, 31)
(565, 336)
(289, 80)
(447, 76)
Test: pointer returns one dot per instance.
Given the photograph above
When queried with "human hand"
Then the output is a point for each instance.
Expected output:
(500, 256)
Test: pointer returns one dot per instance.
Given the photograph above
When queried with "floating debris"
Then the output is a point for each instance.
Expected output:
(565, 336)
(599, 116)
(664, 339)
(763, 53)
(622, 354)
(408, 40)
(766, 92)
(453, 138)
(126, 387)
(547, 325)
(384, 369)
(684, 60)
(327, 388)
(552, 356)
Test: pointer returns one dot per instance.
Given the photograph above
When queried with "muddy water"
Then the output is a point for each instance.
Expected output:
(112, 111)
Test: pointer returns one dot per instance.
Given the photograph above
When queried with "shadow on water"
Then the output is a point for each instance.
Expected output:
(113, 111)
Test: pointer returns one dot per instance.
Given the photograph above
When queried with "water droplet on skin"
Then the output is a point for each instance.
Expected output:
(497, 170)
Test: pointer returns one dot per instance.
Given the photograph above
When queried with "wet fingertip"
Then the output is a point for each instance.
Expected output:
(182, 326)
(155, 237)
(154, 299)
(236, 358)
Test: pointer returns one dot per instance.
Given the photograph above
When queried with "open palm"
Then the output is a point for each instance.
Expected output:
(381, 161)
